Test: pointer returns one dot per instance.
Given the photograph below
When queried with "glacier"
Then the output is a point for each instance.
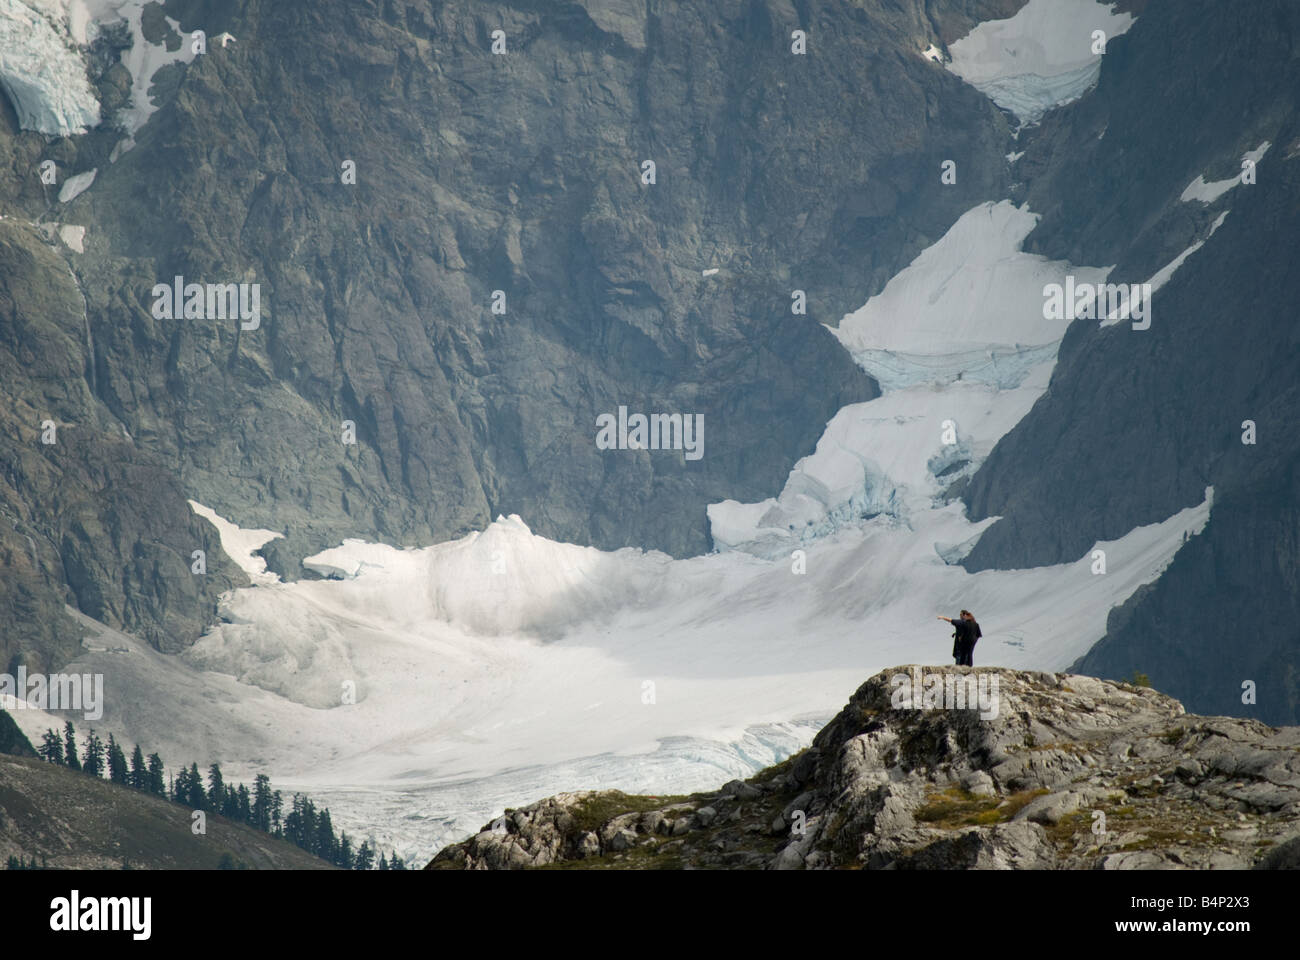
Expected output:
(1040, 58)
(958, 338)
(42, 73)
(418, 691)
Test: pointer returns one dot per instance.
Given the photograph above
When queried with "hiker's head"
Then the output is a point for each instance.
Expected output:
(967, 615)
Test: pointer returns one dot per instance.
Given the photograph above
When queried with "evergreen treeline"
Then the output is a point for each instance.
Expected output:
(262, 808)
(18, 863)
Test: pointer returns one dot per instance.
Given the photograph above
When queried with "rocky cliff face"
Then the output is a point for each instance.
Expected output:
(474, 173)
(1066, 772)
(1137, 424)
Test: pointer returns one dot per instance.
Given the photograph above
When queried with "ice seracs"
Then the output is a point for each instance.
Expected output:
(42, 73)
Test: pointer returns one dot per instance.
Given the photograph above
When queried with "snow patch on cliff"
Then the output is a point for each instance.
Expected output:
(1207, 193)
(73, 187)
(144, 59)
(74, 236)
(1040, 58)
(241, 545)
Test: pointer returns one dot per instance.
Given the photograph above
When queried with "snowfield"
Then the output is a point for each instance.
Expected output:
(417, 692)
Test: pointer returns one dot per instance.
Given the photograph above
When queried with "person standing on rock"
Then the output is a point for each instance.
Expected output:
(965, 631)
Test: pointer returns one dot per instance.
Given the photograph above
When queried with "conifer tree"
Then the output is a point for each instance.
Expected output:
(180, 789)
(326, 843)
(293, 821)
(261, 813)
(70, 747)
(230, 803)
(51, 749)
(216, 789)
(156, 783)
(139, 773)
(93, 762)
(196, 798)
(365, 857)
(117, 770)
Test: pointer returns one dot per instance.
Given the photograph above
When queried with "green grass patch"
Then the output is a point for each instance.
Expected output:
(1065, 829)
(955, 808)
(594, 811)
(1018, 801)
(1156, 839)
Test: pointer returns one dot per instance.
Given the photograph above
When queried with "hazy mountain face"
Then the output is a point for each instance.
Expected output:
(387, 180)
(462, 261)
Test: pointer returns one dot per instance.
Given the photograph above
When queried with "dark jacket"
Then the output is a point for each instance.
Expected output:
(964, 634)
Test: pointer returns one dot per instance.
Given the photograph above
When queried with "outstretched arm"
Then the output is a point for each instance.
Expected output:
(949, 619)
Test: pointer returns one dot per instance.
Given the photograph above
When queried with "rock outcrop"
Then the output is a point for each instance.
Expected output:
(1071, 773)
